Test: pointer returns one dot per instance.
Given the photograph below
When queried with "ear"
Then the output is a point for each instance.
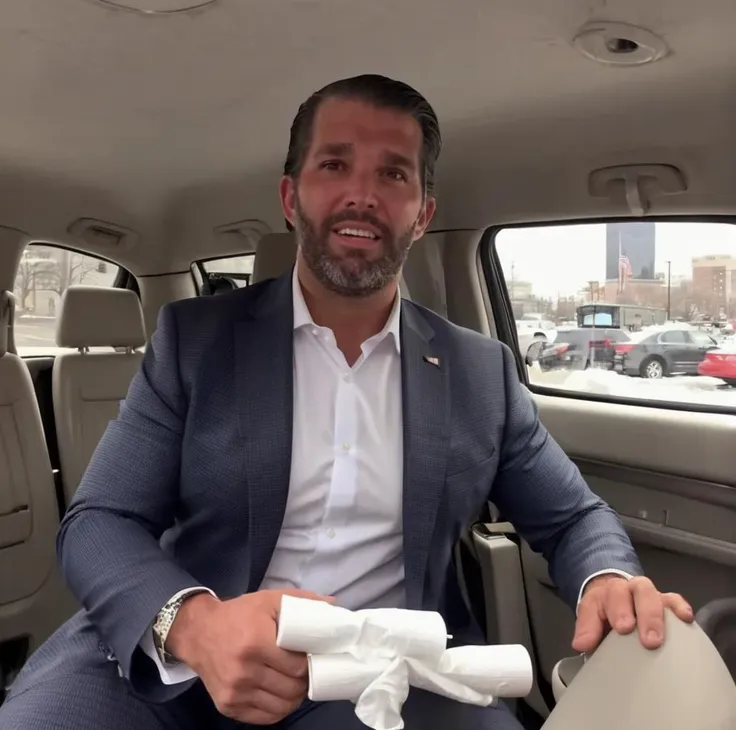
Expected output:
(425, 217)
(287, 193)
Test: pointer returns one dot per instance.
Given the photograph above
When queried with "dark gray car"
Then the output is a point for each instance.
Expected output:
(578, 348)
(663, 352)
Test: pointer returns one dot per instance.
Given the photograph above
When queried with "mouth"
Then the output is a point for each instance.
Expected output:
(357, 235)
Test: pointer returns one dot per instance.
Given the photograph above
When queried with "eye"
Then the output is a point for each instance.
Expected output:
(396, 175)
(332, 165)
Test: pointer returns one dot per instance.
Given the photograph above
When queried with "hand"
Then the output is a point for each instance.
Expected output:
(612, 601)
(231, 645)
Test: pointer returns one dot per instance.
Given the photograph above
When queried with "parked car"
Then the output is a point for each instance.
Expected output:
(720, 363)
(660, 352)
(578, 348)
(532, 336)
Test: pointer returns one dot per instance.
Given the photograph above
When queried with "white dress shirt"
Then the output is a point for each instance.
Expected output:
(342, 529)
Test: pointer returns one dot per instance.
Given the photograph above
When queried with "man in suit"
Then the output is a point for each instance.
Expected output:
(312, 434)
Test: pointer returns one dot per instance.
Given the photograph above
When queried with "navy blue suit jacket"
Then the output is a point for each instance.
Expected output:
(188, 485)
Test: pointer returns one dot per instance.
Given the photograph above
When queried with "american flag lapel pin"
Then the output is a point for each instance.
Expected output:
(432, 360)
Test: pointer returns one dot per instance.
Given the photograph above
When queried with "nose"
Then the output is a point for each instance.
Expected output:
(360, 191)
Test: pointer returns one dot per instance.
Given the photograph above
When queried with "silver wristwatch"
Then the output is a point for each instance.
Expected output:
(162, 625)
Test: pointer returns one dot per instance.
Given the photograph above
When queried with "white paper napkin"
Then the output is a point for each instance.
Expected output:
(372, 657)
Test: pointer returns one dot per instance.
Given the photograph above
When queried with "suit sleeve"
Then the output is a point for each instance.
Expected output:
(108, 541)
(543, 494)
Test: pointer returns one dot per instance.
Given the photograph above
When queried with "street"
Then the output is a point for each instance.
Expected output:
(34, 332)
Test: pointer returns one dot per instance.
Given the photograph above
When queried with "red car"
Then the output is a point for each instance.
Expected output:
(719, 364)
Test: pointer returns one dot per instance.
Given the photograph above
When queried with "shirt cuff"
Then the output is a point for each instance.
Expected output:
(170, 673)
(607, 571)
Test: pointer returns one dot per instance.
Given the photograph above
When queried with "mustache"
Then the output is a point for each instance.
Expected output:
(351, 216)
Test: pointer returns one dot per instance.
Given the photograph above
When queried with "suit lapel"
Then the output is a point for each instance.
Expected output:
(426, 416)
(264, 393)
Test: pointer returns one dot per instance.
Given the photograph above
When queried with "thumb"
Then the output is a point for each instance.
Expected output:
(589, 628)
(300, 593)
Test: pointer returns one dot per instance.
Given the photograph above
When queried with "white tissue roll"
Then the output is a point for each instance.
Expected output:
(315, 627)
(403, 632)
(341, 676)
(477, 674)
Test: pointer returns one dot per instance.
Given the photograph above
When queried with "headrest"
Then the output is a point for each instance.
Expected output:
(7, 322)
(275, 256)
(100, 316)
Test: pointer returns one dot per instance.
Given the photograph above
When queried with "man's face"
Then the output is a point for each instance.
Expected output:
(358, 204)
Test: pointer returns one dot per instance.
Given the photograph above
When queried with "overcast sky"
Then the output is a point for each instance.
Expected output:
(560, 260)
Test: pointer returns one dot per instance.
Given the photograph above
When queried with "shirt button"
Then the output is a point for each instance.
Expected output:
(346, 447)
(347, 377)
(330, 533)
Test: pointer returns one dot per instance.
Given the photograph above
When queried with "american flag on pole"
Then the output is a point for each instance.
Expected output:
(624, 267)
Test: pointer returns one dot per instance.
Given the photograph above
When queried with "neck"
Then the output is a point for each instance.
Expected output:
(352, 320)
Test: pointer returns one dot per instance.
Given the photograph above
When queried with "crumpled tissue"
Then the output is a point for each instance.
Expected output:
(372, 657)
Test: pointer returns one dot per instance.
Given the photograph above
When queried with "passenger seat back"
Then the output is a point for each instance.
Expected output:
(33, 598)
(88, 386)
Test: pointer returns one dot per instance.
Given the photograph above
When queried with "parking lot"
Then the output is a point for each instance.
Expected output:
(682, 389)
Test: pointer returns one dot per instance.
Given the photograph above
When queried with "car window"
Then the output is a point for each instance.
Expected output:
(44, 273)
(640, 278)
(225, 273)
(674, 337)
(701, 339)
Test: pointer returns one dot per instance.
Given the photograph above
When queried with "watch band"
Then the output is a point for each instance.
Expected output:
(162, 625)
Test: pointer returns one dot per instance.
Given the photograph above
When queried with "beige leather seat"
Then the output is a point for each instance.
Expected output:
(33, 598)
(88, 386)
(276, 254)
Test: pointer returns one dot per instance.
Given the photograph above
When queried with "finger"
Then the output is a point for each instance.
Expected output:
(649, 608)
(250, 716)
(619, 607)
(287, 688)
(590, 624)
(290, 663)
(263, 701)
(681, 608)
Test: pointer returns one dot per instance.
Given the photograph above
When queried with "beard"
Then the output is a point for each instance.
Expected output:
(353, 273)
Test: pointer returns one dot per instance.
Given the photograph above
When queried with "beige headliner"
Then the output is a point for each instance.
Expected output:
(173, 125)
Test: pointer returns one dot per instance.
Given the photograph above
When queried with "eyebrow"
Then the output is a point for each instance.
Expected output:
(343, 149)
(394, 158)
(336, 148)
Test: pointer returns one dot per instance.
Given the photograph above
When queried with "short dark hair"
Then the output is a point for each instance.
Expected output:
(382, 92)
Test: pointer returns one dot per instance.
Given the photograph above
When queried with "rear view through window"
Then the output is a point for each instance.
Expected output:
(636, 309)
(44, 274)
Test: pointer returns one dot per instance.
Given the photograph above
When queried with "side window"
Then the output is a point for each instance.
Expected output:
(653, 282)
(215, 276)
(701, 339)
(675, 337)
(44, 273)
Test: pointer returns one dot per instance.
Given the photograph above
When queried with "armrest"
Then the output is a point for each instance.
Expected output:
(563, 674)
(717, 619)
(682, 685)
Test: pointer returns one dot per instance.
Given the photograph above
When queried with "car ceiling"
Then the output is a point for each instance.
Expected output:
(174, 124)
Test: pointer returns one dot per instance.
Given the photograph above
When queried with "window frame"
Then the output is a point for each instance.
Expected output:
(503, 318)
(199, 266)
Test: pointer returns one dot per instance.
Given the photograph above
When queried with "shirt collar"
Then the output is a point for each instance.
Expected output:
(302, 317)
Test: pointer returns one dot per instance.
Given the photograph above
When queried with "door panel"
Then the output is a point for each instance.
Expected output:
(671, 475)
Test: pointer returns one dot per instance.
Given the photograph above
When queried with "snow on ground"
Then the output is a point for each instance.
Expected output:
(683, 389)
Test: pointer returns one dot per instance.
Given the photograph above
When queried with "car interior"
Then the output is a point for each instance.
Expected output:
(141, 145)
